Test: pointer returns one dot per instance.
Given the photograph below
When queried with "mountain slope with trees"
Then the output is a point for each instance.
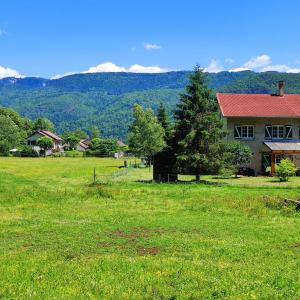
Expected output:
(105, 100)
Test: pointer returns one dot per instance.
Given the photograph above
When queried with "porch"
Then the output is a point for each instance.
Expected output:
(281, 150)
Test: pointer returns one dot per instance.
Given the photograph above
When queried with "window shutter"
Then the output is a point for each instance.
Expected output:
(237, 131)
(289, 131)
(268, 132)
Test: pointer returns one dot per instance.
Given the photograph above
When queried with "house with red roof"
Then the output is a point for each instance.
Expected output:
(268, 124)
(57, 141)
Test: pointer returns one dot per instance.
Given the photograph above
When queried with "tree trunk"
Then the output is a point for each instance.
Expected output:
(198, 178)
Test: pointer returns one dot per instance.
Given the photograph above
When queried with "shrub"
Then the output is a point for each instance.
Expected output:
(103, 147)
(235, 155)
(27, 151)
(227, 172)
(73, 153)
(285, 169)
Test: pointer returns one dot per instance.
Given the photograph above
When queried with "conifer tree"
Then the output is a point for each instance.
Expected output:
(198, 128)
(163, 119)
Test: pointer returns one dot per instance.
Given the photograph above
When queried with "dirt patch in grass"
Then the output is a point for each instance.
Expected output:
(106, 245)
(295, 245)
(148, 251)
(130, 240)
(137, 232)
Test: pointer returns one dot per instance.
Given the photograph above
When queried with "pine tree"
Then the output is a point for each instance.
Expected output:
(164, 162)
(198, 128)
(163, 119)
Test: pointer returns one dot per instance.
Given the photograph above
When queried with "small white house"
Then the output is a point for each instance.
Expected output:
(57, 141)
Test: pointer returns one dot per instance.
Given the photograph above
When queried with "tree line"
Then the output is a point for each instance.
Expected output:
(15, 129)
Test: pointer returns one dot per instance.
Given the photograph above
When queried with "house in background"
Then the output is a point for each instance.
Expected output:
(57, 141)
(83, 145)
(268, 124)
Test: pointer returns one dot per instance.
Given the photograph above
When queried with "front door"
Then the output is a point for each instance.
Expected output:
(266, 161)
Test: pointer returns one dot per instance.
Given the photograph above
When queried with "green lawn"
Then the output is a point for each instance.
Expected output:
(63, 238)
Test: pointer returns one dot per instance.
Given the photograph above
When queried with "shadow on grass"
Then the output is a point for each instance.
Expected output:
(206, 182)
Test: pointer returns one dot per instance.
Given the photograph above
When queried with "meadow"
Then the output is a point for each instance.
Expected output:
(62, 237)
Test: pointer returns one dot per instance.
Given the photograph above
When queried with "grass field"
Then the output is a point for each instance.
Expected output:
(63, 238)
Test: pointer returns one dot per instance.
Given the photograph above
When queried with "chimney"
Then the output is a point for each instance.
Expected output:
(281, 88)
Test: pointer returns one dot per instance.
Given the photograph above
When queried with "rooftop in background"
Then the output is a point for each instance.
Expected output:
(47, 134)
(259, 105)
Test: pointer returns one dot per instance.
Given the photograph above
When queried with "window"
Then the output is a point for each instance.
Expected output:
(279, 132)
(244, 132)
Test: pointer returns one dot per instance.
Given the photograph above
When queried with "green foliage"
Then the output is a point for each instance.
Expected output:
(73, 153)
(71, 140)
(234, 155)
(95, 132)
(10, 134)
(13, 130)
(164, 121)
(285, 169)
(80, 134)
(45, 143)
(27, 151)
(43, 124)
(103, 147)
(198, 128)
(4, 148)
(146, 135)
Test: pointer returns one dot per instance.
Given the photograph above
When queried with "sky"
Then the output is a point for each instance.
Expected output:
(52, 38)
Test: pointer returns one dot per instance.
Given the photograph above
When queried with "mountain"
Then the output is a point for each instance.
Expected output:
(106, 99)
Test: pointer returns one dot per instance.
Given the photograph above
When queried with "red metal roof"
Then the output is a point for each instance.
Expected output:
(259, 105)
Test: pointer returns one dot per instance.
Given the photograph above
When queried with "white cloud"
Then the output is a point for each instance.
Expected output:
(105, 67)
(229, 60)
(214, 67)
(149, 46)
(240, 69)
(142, 69)
(8, 72)
(263, 63)
(258, 62)
(280, 68)
(110, 67)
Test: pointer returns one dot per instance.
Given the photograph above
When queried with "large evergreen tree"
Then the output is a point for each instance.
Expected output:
(198, 128)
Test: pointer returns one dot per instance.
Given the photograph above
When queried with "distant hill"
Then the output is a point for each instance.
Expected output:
(106, 99)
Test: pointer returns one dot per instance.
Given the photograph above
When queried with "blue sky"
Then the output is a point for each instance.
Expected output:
(54, 37)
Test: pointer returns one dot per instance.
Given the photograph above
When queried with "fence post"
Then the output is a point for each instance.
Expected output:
(168, 178)
(94, 175)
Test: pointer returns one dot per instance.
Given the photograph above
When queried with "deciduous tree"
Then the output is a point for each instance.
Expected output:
(43, 124)
(146, 135)
(45, 143)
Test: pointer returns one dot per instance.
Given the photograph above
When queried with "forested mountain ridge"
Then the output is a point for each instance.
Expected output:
(106, 99)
